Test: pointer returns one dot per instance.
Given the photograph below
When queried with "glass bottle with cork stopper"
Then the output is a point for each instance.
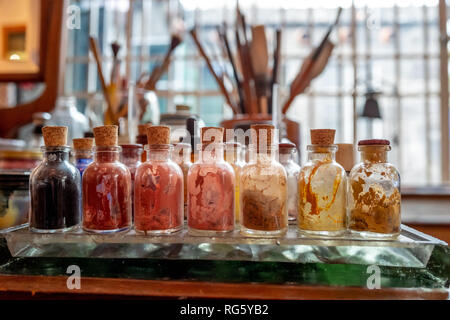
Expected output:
(181, 154)
(210, 188)
(141, 138)
(83, 153)
(234, 156)
(374, 193)
(158, 193)
(55, 186)
(106, 186)
(263, 189)
(322, 188)
(287, 159)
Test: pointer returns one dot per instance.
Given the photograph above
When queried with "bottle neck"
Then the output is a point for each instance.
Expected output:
(211, 153)
(158, 153)
(322, 153)
(374, 153)
(264, 156)
(107, 154)
(374, 157)
(56, 154)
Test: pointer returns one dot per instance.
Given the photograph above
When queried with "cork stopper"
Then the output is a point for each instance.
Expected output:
(286, 148)
(211, 135)
(54, 136)
(262, 134)
(106, 136)
(158, 135)
(374, 142)
(345, 155)
(322, 137)
(142, 129)
(83, 143)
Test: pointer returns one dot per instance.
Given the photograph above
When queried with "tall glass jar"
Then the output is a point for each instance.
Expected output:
(233, 155)
(322, 191)
(263, 188)
(159, 187)
(287, 159)
(210, 188)
(182, 156)
(374, 193)
(106, 186)
(82, 153)
(55, 187)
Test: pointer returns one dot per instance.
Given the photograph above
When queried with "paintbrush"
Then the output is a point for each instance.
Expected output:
(211, 69)
(306, 74)
(224, 38)
(259, 59)
(115, 47)
(275, 67)
(109, 115)
(161, 69)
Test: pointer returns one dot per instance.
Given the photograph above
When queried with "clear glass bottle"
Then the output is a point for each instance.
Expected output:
(234, 156)
(55, 187)
(83, 154)
(288, 153)
(374, 193)
(66, 114)
(106, 186)
(182, 156)
(210, 188)
(263, 188)
(322, 190)
(159, 206)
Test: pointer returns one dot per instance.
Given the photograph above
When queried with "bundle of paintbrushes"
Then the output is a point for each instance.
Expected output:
(254, 77)
(115, 92)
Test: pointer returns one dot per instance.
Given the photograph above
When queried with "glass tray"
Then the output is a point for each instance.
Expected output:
(413, 260)
(411, 249)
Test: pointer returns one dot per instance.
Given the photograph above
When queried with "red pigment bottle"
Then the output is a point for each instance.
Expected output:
(158, 187)
(210, 188)
(106, 186)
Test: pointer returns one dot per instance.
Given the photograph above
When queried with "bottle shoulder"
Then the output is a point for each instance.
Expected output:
(96, 168)
(383, 170)
(63, 169)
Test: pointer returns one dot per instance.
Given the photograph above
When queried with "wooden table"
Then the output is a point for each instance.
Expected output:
(45, 287)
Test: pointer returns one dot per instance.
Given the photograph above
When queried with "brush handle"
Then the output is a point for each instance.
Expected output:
(211, 69)
(224, 38)
(96, 53)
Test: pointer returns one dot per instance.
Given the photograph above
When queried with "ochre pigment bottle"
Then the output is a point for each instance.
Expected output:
(322, 188)
(158, 193)
(106, 186)
(374, 192)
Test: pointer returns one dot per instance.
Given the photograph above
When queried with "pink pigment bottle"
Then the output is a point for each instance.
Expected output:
(158, 187)
(210, 188)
